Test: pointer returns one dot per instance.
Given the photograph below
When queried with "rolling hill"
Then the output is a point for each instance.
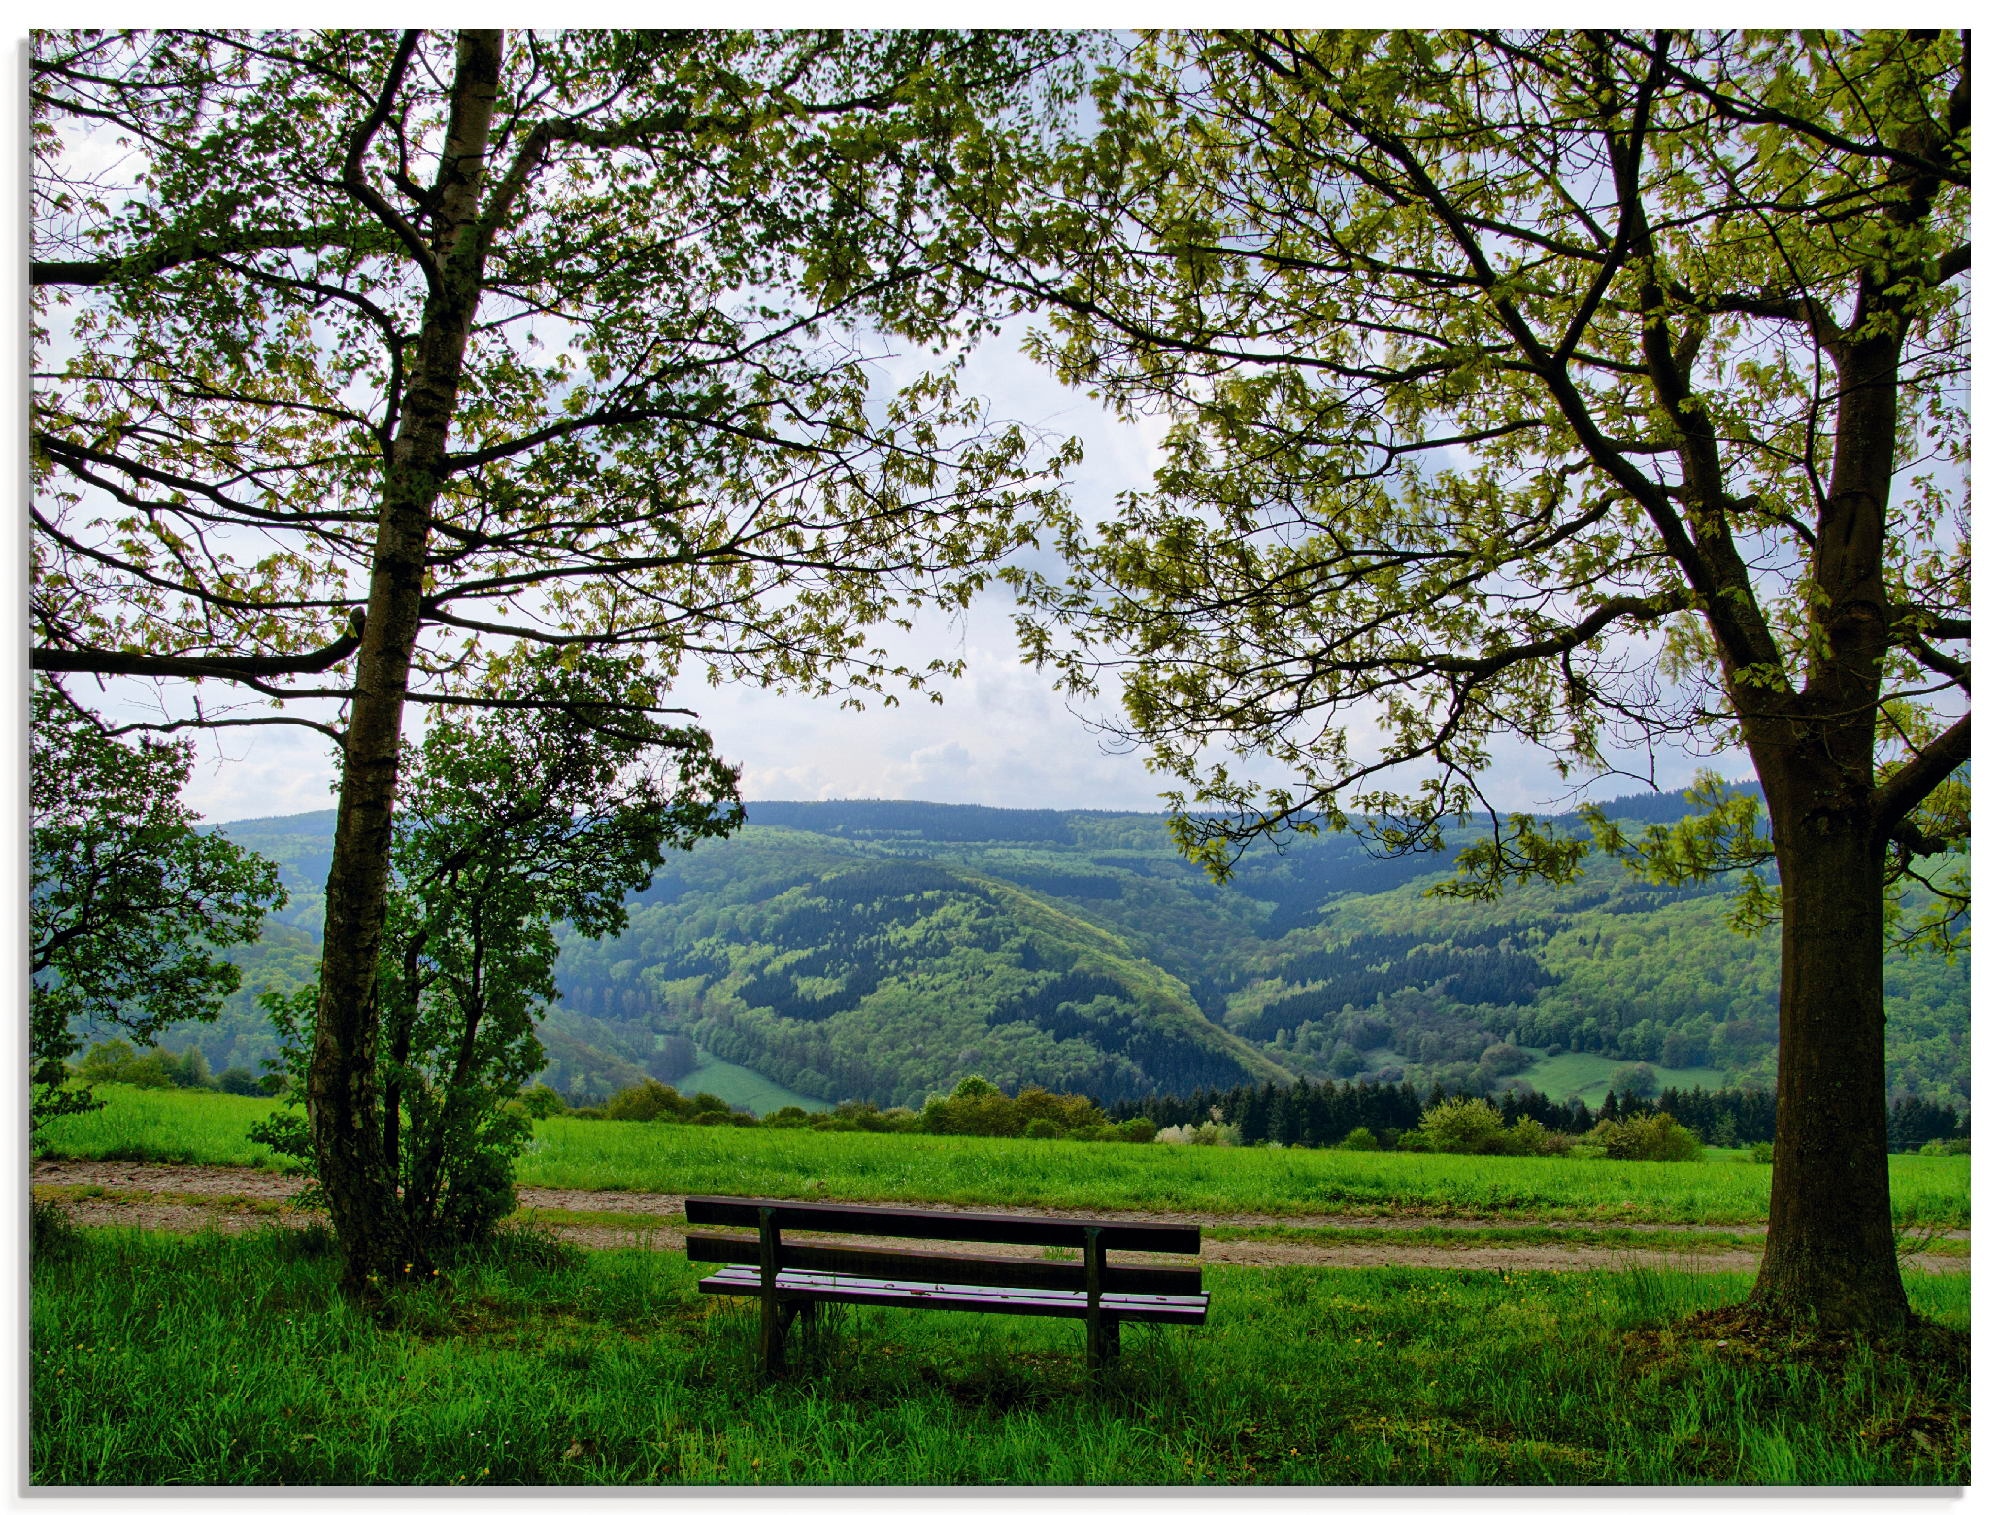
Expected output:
(884, 949)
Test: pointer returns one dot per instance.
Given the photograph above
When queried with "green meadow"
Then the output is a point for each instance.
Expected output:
(172, 1360)
(653, 1157)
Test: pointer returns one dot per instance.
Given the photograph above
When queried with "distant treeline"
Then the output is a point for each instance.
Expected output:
(1310, 1114)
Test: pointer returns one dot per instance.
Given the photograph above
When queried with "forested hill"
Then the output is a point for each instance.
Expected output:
(884, 949)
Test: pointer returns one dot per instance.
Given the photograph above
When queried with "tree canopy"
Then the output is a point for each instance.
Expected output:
(1507, 377)
(636, 323)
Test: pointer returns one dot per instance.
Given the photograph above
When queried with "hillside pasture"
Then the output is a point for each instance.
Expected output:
(742, 1086)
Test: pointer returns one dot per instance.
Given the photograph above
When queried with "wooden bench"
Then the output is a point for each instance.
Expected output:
(792, 1278)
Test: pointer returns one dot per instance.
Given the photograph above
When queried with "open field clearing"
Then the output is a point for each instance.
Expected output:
(232, 1360)
(655, 1158)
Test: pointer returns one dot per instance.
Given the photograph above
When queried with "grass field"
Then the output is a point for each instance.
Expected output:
(162, 1360)
(1588, 1076)
(180, 1126)
(742, 1086)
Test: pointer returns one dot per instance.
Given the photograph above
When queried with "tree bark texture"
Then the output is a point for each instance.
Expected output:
(1830, 1256)
(342, 1094)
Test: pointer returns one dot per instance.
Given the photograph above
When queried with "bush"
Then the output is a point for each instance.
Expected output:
(239, 1081)
(1464, 1125)
(1757, 1152)
(649, 1100)
(1138, 1129)
(789, 1118)
(1647, 1138)
(977, 1108)
(539, 1102)
(1360, 1139)
(1939, 1146)
(1528, 1137)
(1208, 1134)
(1041, 1129)
(114, 1062)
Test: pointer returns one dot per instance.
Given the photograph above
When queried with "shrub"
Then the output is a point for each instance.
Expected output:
(239, 1081)
(1939, 1146)
(1647, 1138)
(1360, 1139)
(1069, 1112)
(977, 1108)
(1528, 1137)
(789, 1118)
(1757, 1152)
(1208, 1134)
(1138, 1129)
(538, 1101)
(648, 1100)
(1465, 1126)
(1041, 1129)
(114, 1062)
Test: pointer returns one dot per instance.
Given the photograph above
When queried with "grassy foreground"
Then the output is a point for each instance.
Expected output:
(181, 1126)
(161, 1359)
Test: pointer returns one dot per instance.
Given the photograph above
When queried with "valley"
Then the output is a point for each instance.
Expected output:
(882, 950)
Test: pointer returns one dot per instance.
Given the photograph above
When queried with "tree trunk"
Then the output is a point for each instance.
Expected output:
(1830, 1258)
(342, 1095)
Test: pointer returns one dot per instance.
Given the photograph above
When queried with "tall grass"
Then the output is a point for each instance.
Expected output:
(863, 1166)
(165, 1126)
(972, 1170)
(214, 1360)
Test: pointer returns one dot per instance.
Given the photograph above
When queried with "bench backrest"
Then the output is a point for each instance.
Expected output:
(947, 1267)
(945, 1225)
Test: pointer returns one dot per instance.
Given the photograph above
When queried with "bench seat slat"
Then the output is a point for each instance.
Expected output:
(912, 1266)
(932, 1225)
(804, 1284)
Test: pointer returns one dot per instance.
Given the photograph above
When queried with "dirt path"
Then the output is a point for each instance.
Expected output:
(174, 1197)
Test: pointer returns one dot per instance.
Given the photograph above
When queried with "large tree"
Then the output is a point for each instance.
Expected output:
(371, 356)
(1597, 391)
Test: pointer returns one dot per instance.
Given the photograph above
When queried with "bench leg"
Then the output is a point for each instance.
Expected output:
(777, 1320)
(771, 1333)
(1101, 1342)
